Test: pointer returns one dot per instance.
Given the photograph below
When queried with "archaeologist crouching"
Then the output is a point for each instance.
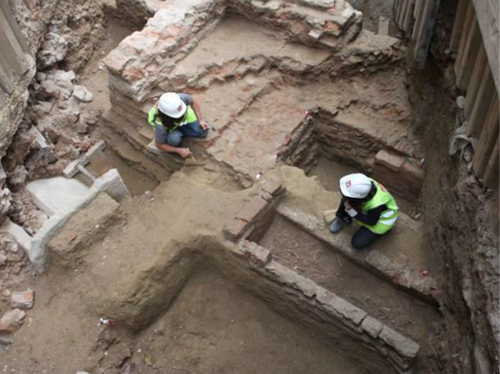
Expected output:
(369, 204)
(174, 117)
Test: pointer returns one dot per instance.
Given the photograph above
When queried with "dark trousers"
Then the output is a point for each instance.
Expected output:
(363, 236)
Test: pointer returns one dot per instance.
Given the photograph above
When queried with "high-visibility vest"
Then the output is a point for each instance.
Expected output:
(388, 217)
(155, 120)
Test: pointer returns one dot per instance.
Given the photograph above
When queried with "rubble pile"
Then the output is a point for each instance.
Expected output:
(55, 127)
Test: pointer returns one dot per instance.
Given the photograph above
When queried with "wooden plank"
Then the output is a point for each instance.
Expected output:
(423, 43)
(487, 141)
(419, 18)
(469, 18)
(475, 81)
(473, 43)
(488, 18)
(485, 95)
(458, 24)
(408, 21)
(491, 176)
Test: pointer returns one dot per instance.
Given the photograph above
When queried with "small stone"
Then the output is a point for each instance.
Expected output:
(6, 293)
(83, 94)
(82, 128)
(11, 321)
(461, 102)
(22, 300)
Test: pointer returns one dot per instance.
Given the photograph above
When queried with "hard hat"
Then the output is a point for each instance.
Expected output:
(356, 186)
(171, 104)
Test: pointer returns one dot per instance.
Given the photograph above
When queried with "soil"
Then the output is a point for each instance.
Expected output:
(214, 327)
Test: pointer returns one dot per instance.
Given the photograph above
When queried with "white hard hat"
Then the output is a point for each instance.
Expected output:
(356, 186)
(171, 104)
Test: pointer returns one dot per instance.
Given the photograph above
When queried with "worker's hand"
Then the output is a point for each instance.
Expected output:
(204, 125)
(185, 153)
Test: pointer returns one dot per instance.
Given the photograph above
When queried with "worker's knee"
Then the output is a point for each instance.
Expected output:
(174, 138)
(358, 242)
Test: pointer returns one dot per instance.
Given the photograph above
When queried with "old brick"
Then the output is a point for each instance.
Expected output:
(372, 326)
(22, 300)
(235, 229)
(252, 208)
(258, 255)
(404, 346)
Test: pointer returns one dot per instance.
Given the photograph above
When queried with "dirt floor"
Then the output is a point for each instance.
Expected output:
(313, 259)
(214, 327)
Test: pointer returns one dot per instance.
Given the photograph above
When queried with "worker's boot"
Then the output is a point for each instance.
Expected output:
(337, 225)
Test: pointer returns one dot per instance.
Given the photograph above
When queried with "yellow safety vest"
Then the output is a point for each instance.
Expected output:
(388, 217)
(155, 120)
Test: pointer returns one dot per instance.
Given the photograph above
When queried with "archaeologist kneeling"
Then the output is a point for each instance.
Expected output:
(174, 117)
(369, 204)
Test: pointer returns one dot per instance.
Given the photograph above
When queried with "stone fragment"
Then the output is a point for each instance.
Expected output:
(404, 346)
(11, 321)
(461, 102)
(22, 300)
(389, 160)
(372, 326)
(53, 49)
(83, 94)
(17, 177)
(82, 127)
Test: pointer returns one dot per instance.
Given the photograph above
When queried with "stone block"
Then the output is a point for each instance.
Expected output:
(372, 326)
(11, 321)
(22, 300)
(347, 310)
(404, 346)
(112, 183)
(290, 278)
(52, 195)
(390, 160)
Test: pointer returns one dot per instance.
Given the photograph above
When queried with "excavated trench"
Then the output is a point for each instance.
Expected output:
(270, 105)
(281, 295)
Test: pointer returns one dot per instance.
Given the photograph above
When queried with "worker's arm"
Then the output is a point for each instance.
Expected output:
(183, 152)
(370, 218)
(197, 111)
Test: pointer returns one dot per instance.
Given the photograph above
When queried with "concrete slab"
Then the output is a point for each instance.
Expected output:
(53, 195)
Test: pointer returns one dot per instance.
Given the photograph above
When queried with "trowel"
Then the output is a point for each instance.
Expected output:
(192, 161)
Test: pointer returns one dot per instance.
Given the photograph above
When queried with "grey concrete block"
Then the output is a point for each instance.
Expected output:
(52, 195)
(372, 326)
(404, 346)
(113, 184)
